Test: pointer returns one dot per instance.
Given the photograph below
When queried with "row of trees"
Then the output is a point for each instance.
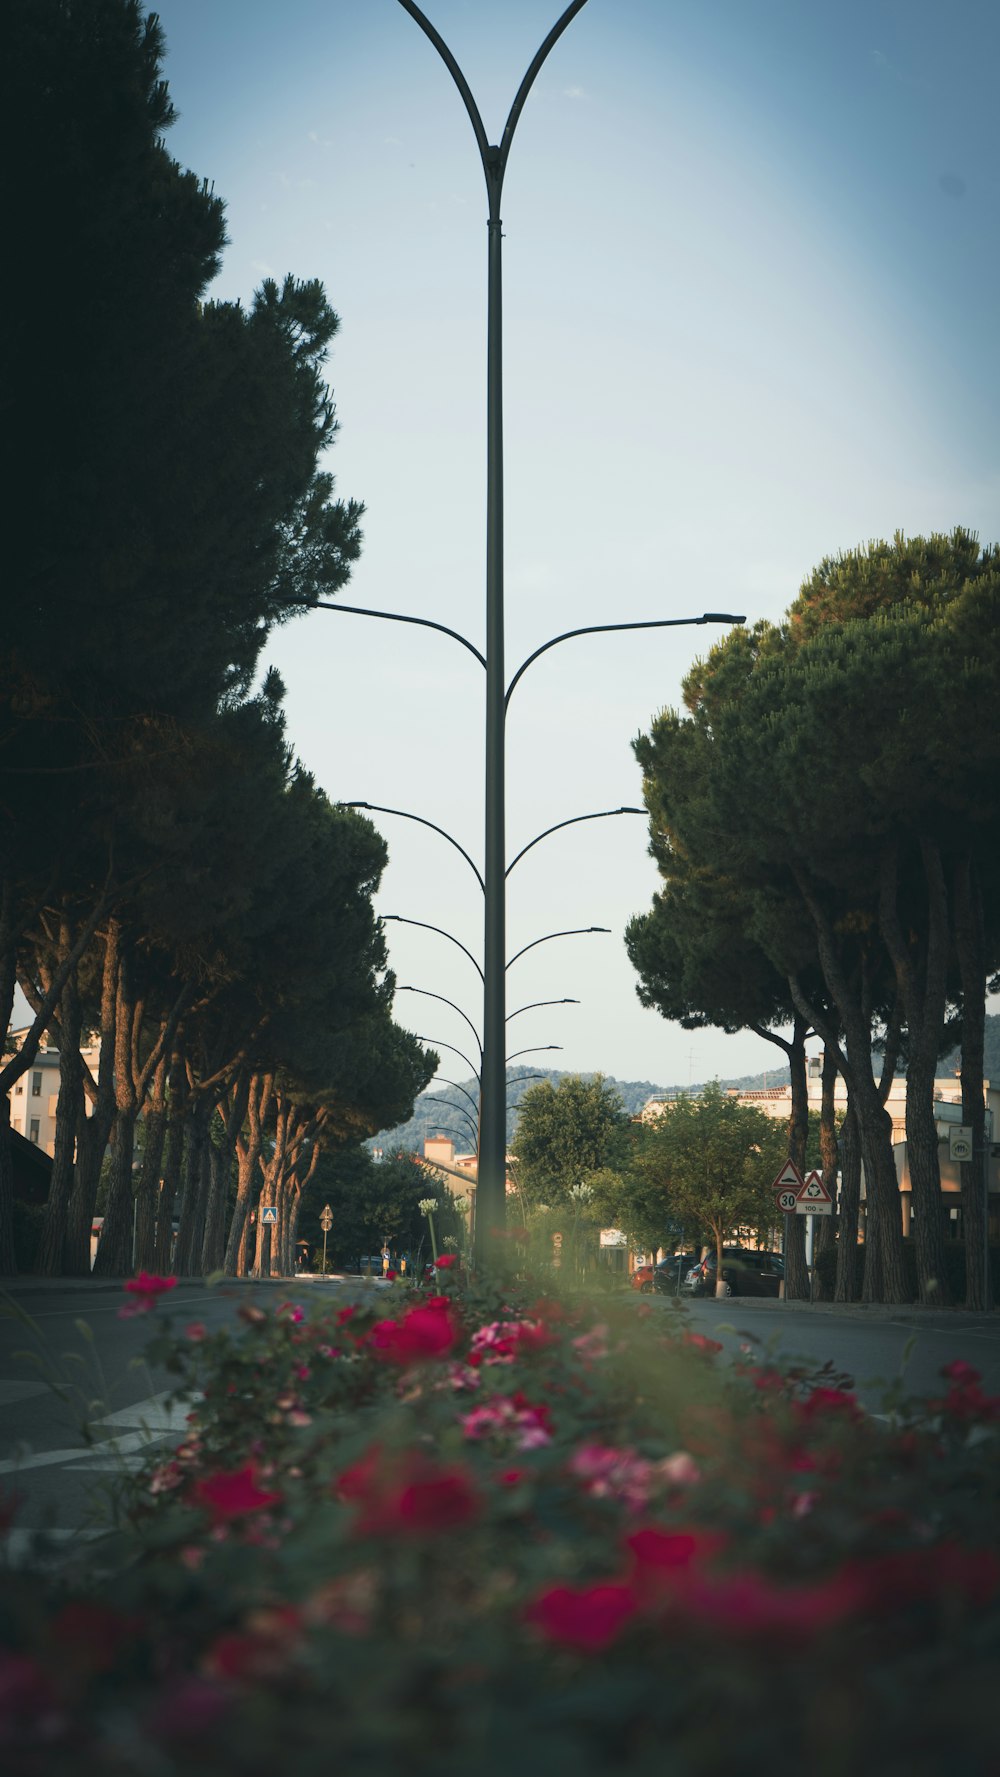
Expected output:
(170, 877)
(825, 814)
(701, 1170)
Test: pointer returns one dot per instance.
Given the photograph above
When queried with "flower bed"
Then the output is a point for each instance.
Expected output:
(493, 1531)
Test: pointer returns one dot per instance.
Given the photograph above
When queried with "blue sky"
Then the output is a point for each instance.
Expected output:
(751, 270)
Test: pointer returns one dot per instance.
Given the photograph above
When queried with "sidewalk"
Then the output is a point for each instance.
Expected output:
(917, 1314)
(26, 1284)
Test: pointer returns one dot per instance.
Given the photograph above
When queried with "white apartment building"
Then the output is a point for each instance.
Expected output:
(776, 1101)
(33, 1098)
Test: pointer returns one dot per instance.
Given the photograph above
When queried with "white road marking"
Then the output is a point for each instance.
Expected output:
(20, 1391)
(156, 1418)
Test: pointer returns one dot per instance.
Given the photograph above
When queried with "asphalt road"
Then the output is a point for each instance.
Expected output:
(66, 1358)
(876, 1346)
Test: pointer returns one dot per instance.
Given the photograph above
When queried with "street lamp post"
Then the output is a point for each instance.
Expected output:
(493, 1144)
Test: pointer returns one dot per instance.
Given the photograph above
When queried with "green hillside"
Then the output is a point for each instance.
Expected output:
(448, 1111)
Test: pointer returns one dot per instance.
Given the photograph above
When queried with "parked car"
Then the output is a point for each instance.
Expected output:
(744, 1273)
(664, 1276)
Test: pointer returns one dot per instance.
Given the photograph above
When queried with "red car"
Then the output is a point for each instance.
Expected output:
(667, 1275)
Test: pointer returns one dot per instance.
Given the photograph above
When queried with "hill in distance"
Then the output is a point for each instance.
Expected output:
(451, 1110)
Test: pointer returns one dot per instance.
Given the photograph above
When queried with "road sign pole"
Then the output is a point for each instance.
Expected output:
(324, 1252)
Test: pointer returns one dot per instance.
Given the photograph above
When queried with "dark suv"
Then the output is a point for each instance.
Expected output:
(666, 1278)
(744, 1273)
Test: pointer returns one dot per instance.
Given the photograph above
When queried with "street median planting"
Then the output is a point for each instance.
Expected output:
(488, 1526)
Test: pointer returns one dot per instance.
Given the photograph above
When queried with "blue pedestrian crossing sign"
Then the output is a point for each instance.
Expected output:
(269, 1215)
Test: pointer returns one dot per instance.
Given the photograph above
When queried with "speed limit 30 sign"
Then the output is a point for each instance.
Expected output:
(787, 1201)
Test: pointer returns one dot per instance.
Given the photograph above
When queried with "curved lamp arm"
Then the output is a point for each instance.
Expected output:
(596, 629)
(494, 159)
(401, 919)
(428, 995)
(397, 617)
(536, 1003)
(435, 1043)
(404, 813)
(573, 932)
(602, 814)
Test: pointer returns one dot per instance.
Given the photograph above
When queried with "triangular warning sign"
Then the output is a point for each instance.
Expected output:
(789, 1178)
(813, 1190)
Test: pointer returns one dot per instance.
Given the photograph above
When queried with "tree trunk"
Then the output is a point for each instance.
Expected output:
(796, 1271)
(213, 1247)
(148, 1192)
(248, 1146)
(970, 945)
(192, 1212)
(93, 1132)
(826, 1234)
(885, 1274)
(114, 1252)
(176, 1123)
(50, 1257)
(849, 1252)
(8, 978)
(921, 971)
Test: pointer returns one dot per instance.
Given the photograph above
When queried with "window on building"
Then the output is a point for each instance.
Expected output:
(36, 1085)
(18, 1089)
(33, 1130)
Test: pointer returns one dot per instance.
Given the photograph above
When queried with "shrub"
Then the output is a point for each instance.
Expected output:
(492, 1531)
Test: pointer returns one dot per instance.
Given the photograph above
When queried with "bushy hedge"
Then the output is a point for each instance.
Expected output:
(496, 1532)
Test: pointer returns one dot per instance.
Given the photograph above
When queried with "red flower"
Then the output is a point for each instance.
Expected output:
(583, 1617)
(233, 1494)
(959, 1371)
(426, 1331)
(665, 1557)
(446, 1261)
(747, 1604)
(145, 1291)
(258, 1652)
(419, 1497)
(946, 1570)
(826, 1403)
(698, 1342)
(91, 1633)
(966, 1398)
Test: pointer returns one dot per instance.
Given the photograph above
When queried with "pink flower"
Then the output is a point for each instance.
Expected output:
(509, 1416)
(293, 1312)
(611, 1473)
(446, 1261)
(588, 1618)
(593, 1344)
(196, 1331)
(145, 1291)
(679, 1470)
(501, 1341)
(232, 1494)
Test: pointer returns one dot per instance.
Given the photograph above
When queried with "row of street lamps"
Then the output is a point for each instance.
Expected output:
(492, 1072)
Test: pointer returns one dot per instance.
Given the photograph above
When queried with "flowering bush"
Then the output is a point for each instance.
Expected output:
(490, 1532)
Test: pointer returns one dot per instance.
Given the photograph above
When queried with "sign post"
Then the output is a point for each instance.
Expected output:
(326, 1223)
(788, 1184)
